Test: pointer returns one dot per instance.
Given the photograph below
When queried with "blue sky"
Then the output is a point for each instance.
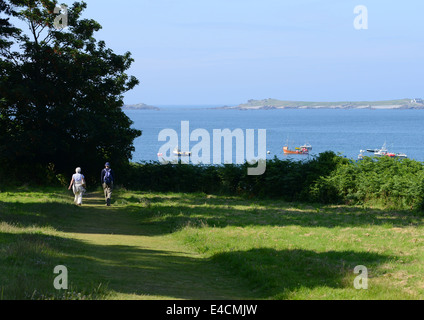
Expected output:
(225, 52)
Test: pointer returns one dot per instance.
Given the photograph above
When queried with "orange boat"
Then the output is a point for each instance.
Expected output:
(297, 151)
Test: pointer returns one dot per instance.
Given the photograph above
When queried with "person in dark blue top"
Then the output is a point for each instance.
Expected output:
(107, 177)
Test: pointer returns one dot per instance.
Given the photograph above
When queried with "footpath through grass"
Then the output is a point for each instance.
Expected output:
(196, 246)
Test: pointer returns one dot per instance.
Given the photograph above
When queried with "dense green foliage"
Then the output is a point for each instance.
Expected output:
(61, 93)
(285, 179)
(384, 181)
(327, 178)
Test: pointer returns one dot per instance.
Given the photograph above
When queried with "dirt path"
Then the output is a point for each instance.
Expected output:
(139, 264)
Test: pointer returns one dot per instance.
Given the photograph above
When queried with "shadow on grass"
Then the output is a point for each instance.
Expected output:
(173, 212)
(278, 274)
(164, 214)
(27, 262)
(92, 217)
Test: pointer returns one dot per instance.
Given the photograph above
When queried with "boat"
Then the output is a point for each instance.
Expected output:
(401, 155)
(301, 150)
(306, 146)
(305, 149)
(371, 150)
(180, 153)
(392, 155)
(383, 152)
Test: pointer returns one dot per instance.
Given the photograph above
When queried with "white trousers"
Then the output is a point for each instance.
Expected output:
(78, 192)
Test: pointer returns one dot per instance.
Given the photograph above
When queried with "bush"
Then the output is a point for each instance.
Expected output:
(327, 179)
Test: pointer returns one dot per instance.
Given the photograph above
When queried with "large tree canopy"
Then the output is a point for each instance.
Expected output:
(61, 91)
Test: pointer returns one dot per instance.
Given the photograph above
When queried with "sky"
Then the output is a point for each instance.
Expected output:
(225, 52)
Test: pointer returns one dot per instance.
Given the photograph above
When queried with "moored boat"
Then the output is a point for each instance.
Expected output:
(306, 146)
(383, 152)
(296, 151)
(180, 153)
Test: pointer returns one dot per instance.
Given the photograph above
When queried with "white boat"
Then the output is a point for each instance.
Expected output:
(306, 146)
(180, 153)
(383, 152)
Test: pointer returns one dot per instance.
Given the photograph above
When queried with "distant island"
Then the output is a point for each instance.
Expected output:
(272, 104)
(139, 106)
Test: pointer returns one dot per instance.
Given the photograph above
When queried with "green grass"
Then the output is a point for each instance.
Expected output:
(197, 246)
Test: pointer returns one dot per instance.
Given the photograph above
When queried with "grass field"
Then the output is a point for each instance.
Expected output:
(197, 246)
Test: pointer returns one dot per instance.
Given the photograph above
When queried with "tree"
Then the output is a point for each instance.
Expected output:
(61, 92)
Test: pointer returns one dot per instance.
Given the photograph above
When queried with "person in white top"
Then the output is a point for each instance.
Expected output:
(78, 186)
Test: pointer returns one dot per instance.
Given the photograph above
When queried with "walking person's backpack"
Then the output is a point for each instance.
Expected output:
(108, 177)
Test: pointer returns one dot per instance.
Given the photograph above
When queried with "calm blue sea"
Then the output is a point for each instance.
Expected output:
(342, 131)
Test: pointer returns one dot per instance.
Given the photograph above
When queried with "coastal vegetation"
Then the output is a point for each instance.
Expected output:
(327, 178)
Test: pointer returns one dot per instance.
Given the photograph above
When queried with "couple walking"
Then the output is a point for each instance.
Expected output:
(78, 184)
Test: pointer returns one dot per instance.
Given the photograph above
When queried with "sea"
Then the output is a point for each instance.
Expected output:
(345, 132)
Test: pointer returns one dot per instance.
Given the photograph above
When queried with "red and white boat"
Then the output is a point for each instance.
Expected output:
(305, 149)
(383, 152)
